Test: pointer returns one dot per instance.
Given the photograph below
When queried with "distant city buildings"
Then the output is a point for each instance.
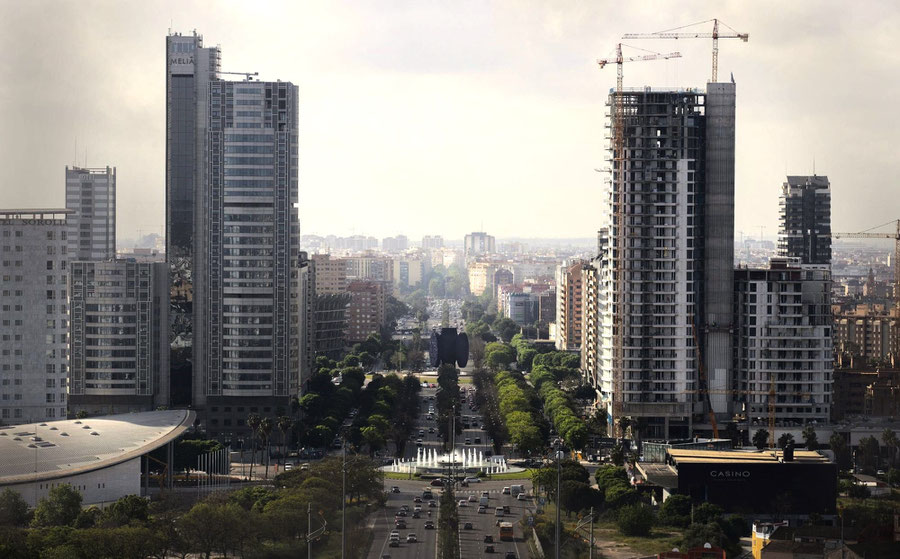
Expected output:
(118, 341)
(805, 209)
(33, 315)
(410, 270)
(395, 244)
(431, 242)
(91, 195)
(478, 243)
(866, 335)
(331, 275)
(366, 313)
(569, 305)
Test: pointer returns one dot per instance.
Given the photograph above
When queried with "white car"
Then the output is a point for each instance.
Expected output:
(506, 490)
(473, 479)
(472, 498)
(411, 538)
(462, 502)
(521, 497)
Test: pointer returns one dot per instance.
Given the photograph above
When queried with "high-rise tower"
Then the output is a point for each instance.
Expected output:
(665, 266)
(189, 69)
(249, 318)
(805, 228)
(91, 194)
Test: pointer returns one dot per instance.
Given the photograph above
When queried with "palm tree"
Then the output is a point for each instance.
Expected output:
(253, 423)
(285, 424)
(265, 433)
(889, 438)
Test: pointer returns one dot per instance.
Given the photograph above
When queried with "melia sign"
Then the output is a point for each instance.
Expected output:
(181, 63)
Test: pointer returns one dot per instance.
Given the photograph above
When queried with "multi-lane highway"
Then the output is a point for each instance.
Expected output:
(472, 540)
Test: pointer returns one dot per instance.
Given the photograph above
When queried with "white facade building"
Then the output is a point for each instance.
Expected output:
(91, 194)
(33, 315)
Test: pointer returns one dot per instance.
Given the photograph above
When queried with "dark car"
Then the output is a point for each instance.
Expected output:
(488, 538)
(429, 525)
(511, 555)
(396, 543)
(395, 489)
(417, 500)
(467, 526)
(488, 549)
(437, 483)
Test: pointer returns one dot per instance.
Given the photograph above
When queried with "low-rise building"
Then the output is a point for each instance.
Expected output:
(331, 274)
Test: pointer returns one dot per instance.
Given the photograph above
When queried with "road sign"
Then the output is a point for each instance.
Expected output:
(541, 500)
(530, 520)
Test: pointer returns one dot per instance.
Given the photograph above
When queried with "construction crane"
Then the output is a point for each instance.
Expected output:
(715, 36)
(247, 75)
(896, 236)
(619, 225)
(704, 383)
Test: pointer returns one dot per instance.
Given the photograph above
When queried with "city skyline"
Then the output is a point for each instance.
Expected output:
(485, 88)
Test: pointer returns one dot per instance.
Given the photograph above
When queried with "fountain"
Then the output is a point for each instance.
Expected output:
(464, 460)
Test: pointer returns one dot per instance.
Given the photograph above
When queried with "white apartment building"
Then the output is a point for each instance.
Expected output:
(33, 315)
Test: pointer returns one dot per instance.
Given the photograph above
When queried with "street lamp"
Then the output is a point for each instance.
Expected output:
(558, 493)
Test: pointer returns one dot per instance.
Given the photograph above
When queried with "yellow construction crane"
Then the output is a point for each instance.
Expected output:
(896, 236)
(618, 229)
(715, 36)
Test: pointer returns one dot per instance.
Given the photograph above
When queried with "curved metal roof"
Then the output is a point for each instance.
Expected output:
(44, 451)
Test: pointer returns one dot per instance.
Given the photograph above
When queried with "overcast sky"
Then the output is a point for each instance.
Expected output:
(437, 117)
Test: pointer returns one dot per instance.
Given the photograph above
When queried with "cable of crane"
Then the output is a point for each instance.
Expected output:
(689, 25)
(877, 226)
(639, 48)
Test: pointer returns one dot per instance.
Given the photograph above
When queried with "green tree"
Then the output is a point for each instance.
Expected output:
(620, 494)
(707, 512)
(13, 508)
(699, 534)
(676, 511)
(785, 439)
(266, 426)
(838, 445)
(201, 529)
(867, 455)
(59, 508)
(760, 439)
(617, 454)
(890, 441)
(253, 420)
(128, 509)
(285, 425)
(809, 437)
(635, 520)
(506, 328)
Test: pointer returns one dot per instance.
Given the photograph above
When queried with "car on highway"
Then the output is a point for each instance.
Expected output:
(431, 429)
(434, 483)
(411, 538)
(394, 543)
(472, 498)
(432, 504)
(401, 513)
(488, 548)
(506, 490)
(477, 440)
(468, 441)
(427, 494)
(462, 502)
(488, 538)
(395, 489)
(482, 509)
(404, 507)
(417, 509)
(395, 535)
(416, 514)
(400, 524)
(473, 479)
(429, 525)
(467, 526)
(419, 442)
(510, 555)
(506, 509)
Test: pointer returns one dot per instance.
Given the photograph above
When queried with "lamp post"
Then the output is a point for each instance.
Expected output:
(558, 493)
(343, 494)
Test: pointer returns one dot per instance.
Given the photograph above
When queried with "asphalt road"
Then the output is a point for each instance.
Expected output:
(472, 540)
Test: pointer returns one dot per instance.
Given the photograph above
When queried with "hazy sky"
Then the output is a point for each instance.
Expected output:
(435, 117)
